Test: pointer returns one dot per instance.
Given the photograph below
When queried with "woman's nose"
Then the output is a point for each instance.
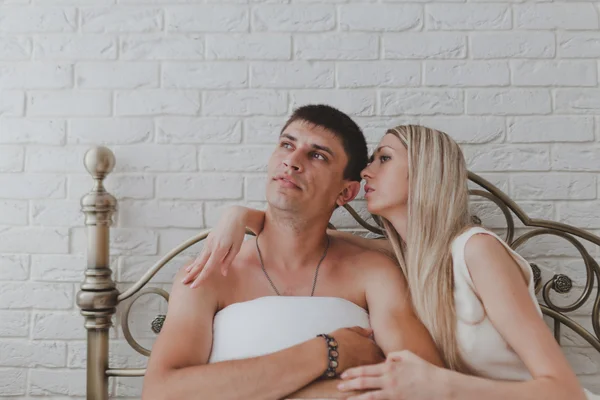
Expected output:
(366, 173)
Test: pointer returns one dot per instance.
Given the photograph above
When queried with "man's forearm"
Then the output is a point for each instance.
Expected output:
(273, 376)
(322, 390)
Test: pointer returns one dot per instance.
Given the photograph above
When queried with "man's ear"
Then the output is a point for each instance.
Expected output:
(350, 191)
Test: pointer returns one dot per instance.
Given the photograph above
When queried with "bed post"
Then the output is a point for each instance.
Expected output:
(98, 295)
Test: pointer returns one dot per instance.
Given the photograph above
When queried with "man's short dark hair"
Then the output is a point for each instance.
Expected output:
(342, 126)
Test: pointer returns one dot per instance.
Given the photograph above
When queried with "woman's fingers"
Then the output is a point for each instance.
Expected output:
(361, 383)
(366, 370)
(374, 395)
(207, 268)
(196, 266)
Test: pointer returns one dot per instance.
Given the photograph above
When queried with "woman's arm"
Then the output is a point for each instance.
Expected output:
(381, 245)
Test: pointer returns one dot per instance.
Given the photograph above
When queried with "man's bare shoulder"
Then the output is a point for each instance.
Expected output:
(364, 256)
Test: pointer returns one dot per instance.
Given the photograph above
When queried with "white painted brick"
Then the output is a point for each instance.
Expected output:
(556, 16)
(74, 47)
(121, 355)
(161, 47)
(45, 296)
(556, 186)
(468, 16)
(37, 19)
(369, 17)
(11, 158)
(53, 383)
(121, 19)
(550, 129)
(13, 381)
(214, 210)
(131, 269)
(22, 353)
(123, 242)
(590, 382)
(378, 74)
(157, 102)
(469, 129)
(14, 267)
(34, 240)
(35, 75)
(293, 18)
(132, 387)
(62, 268)
(12, 103)
(58, 325)
(467, 73)
(573, 157)
(424, 45)
(502, 157)
(262, 130)
(163, 214)
(120, 185)
(221, 18)
(56, 213)
(581, 214)
(13, 212)
(375, 127)
(583, 361)
(247, 158)
(336, 46)
(117, 76)
(256, 46)
(172, 238)
(159, 158)
(14, 324)
(245, 102)
(199, 130)
(493, 218)
(108, 131)
(349, 101)
(305, 75)
(38, 131)
(32, 186)
(255, 188)
(199, 187)
(578, 44)
(15, 48)
(54, 159)
(554, 73)
(513, 45)
(420, 102)
(508, 101)
(69, 103)
(213, 75)
(577, 101)
(550, 246)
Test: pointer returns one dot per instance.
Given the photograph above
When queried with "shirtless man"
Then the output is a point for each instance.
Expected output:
(314, 168)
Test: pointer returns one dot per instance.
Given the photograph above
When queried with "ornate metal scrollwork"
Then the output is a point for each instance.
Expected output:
(157, 323)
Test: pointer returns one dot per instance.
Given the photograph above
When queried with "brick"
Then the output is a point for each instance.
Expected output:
(468, 16)
(199, 187)
(352, 102)
(248, 158)
(160, 47)
(75, 47)
(508, 101)
(12, 103)
(34, 240)
(502, 157)
(375, 127)
(213, 75)
(583, 361)
(469, 129)
(121, 19)
(155, 158)
(198, 130)
(56, 213)
(214, 210)
(153, 102)
(11, 158)
(52, 383)
(576, 16)
(245, 102)
(554, 73)
(14, 267)
(293, 18)
(117, 75)
(54, 159)
(131, 269)
(15, 48)
(492, 215)
(33, 131)
(555, 186)
(14, 324)
(133, 387)
(207, 18)
(121, 355)
(108, 131)
(57, 268)
(378, 74)
(13, 381)
(467, 73)
(13, 212)
(23, 353)
(578, 44)
(255, 46)
(306, 75)
(123, 242)
(336, 46)
(37, 19)
(388, 18)
(264, 130)
(58, 325)
(32, 186)
(424, 45)
(172, 238)
(256, 188)
(573, 157)
(35, 75)
(69, 103)
(513, 45)
(551, 129)
(122, 186)
(577, 101)
(415, 102)
(162, 214)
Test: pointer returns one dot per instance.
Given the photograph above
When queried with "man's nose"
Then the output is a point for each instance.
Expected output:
(292, 161)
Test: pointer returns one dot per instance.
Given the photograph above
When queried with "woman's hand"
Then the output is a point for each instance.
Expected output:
(403, 375)
(221, 246)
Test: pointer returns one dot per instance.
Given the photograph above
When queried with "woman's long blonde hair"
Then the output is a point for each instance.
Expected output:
(438, 211)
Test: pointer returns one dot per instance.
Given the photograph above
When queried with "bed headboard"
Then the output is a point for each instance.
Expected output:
(99, 297)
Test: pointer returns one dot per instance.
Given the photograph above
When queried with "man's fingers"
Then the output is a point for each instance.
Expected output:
(362, 383)
(364, 371)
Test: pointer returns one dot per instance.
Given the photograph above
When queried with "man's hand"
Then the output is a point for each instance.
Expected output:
(356, 347)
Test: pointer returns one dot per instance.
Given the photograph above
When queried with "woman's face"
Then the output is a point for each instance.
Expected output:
(386, 177)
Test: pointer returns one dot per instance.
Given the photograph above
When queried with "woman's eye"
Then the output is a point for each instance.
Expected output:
(383, 159)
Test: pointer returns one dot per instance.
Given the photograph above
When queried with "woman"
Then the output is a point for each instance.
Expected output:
(473, 293)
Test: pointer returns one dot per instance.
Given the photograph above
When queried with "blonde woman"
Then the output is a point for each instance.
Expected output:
(474, 294)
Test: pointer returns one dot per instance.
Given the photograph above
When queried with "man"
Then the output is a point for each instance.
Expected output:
(314, 168)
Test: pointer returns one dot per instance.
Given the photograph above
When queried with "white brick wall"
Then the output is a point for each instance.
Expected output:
(191, 94)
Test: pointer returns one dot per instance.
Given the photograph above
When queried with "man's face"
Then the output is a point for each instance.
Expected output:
(306, 170)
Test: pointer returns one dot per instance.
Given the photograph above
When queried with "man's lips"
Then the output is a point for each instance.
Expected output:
(286, 182)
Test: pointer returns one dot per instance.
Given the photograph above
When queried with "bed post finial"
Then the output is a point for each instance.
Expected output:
(98, 295)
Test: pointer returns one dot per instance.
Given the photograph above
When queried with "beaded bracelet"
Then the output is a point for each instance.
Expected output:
(332, 356)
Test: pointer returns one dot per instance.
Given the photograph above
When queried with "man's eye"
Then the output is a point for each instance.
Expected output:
(286, 145)
(319, 156)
